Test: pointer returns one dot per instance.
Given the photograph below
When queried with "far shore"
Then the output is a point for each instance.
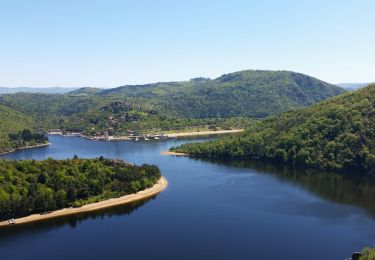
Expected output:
(196, 133)
(153, 136)
(157, 188)
(26, 147)
(181, 134)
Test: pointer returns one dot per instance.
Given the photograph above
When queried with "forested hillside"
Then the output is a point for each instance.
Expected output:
(336, 134)
(30, 186)
(55, 111)
(116, 115)
(250, 93)
(15, 130)
(230, 101)
(85, 91)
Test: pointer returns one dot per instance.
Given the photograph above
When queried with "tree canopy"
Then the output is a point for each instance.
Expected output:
(30, 186)
(15, 130)
(250, 93)
(336, 134)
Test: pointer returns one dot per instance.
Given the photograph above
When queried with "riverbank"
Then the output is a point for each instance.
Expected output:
(173, 153)
(157, 188)
(26, 147)
(186, 134)
(163, 136)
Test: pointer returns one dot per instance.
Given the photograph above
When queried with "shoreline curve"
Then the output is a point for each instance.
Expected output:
(217, 132)
(26, 147)
(161, 185)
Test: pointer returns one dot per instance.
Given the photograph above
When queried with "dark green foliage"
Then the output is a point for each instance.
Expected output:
(368, 254)
(336, 134)
(31, 186)
(115, 115)
(250, 93)
(14, 130)
(85, 91)
(27, 138)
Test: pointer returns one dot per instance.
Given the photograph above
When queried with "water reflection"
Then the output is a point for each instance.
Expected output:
(351, 189)
(74, 220)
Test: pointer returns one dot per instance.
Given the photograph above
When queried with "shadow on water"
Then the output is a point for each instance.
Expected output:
(74, 220)
(350, 188)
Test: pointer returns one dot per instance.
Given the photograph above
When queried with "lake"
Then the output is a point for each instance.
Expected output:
(212, 209)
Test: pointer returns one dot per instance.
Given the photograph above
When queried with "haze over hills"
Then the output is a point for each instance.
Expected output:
(353, 86)
(51, 90)
(335, 134)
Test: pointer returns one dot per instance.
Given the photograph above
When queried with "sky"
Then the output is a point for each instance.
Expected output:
(109, 43)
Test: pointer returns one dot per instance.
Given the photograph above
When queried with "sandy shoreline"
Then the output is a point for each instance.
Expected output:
(169, 135)
(183, 134)
(157, 188)
(120, 138)
(173, 153)
(26, 147)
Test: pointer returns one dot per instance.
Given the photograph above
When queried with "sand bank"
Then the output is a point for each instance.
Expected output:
(182, 134)
(157, 188)
(172, 153)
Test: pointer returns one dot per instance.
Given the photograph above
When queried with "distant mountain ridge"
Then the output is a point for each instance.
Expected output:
(51, 90)
(353, 86)
(85, 91)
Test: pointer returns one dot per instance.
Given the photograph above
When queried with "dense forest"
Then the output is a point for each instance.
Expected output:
(117, 116)
(15, 130)
(250, 93)
(336, 134)
(31, 186)
(230, 101)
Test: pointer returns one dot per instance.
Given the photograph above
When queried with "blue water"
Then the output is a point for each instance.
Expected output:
(210, 210)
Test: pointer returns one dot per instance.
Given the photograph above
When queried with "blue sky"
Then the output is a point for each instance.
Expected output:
(111, 43)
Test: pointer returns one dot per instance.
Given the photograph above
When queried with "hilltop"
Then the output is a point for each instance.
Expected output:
(250, 93)
(85, 91)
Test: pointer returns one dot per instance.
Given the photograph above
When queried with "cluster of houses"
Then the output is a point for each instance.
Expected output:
(104, 135)
(151, 137)
(120, 112)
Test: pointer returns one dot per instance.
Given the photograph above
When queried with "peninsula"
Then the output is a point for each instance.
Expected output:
(144, 194)
(52, 188)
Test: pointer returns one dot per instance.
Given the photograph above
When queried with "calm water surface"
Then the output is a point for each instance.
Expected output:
(211, 210)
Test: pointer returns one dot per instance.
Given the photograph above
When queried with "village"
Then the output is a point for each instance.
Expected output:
(104, 135)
